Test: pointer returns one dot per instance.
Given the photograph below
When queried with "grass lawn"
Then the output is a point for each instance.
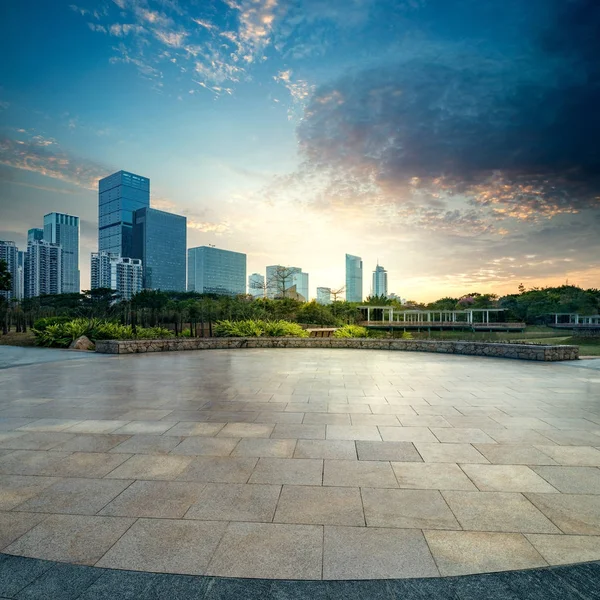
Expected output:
(17, 339)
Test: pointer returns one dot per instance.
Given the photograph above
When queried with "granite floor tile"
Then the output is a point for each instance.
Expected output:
(573, 514)
(583, 578)
(269, 550)
(517, 436)
(463, 435)
(85, 464)
(359, 473)
(449, 453)
(316, 505)
(407, 509)
(508, 454)
(266, 416)
(147, 427)
(191, 428)
(14, 524)
(218, 470)
(332, 449)
(567, 437)
(431, 476)
(17, 573)
(97, 426)
(92, 443)
(573, 456)
(246, 430)
(155, 499)
(570, 423)
(141, 466)
(375, 553)
(146, 414)
(407, 434)
(293, 471)
(497, 511)
(28, 462)
(572, 480)
(35, 441)
(16, 489)
(274, 448)
(322, 418)
(49, 425)
(206, 446)
(398, 451)
(166, 546)
(235, 502)
(148, 444)
(349, 432)
(74, 539)
(359, 410)
(566, 549)
(507, 478)
(464, 552)
(299, 431)
(362, 420)
(423, 421)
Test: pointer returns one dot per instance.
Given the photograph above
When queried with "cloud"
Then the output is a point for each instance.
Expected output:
(208, 227)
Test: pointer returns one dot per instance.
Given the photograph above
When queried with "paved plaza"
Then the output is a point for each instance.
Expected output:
(299, 464)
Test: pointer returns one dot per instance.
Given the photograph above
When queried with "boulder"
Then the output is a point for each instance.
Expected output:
(82, 343)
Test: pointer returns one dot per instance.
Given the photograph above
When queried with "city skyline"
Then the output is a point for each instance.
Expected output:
(453, 141)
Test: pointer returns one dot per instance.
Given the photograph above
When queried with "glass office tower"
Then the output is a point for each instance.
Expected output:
(215, 271)
(120, 195)
(354, 283)
(35, 235)
(63, 229)
(380, 283)
(159, 240)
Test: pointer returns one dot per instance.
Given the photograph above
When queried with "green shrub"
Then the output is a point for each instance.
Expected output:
(351, 331)
(41, 324)
(151, 333)
(284, 329)
(52, 336)
(250, 328)
(407, 335)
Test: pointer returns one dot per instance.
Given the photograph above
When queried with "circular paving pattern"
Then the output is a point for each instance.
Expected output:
(298, 464)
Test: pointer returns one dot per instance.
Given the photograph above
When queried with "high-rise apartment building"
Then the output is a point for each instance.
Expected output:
(380, 282)
(323, 295)
(120, 195)
(215, 271)
(43, 269)
(35, 235)
(63, 229)
(159, 241)
(20, 291)
(256, 285)
(10, 255)
(354, 278)
(122, 274)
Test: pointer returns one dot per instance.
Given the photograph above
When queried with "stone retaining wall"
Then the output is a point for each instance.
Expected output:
(521, 351)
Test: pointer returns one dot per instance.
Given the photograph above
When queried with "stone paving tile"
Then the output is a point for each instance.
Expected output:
(206, 446)
(85, 464)
(449, 453)
(97, 426)
(332, 449)
(156, 499)
(188, 416)
(147, 444)
(517, 436)
(522, 423)
(219, 470)
(369, 420)
(572, 480)
(14, 524)
(384, 553)
(235, 502)
(92, 443)
(165, 546)
(575, 456)
(35, 441)
(319, 418)
(142, 466)
(149, 427)
(575, 514)
(423, 421)
(349, 432)
(504, 454)
(246, 430)
(507, 478)
(28, 462)
(266, 416)
(75, 539)
(280, 448)
(567, 423)
(407, 434)
(192, 428)
(463, 435)
(361, 473)
(16, 573)
(16, 489)
(407, 509)
(568, 437)
(74, 496)
(8, 424)
(464, 552)
(477, 422)
(146, 414)
(316, 505)
(498, 511)
(431, 476)
(49, 425)
(346, 408)
(566, 549)
(398, 451)
(269, 550)
(293, 471)
(389, 409)
(299, 431)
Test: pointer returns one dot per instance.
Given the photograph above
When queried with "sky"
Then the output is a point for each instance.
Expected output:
(454, 142)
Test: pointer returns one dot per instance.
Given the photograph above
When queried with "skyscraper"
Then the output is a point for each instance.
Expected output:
(215, 271)
(120, 195)
(118, 273)
(300, 280)
(20, 293)
(43, 269)
(256, 283)
(35, 235)
(63, 229)
(159, 240)
(324, 295)
(280, 279)
(354, 279)
(380, 284)
(10, 255)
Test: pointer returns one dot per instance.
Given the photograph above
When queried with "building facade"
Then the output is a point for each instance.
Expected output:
(354, 278)
(9, 253)
(215, 271)
(20, 291)
(35, 235)
(43, 269)
(280, 279)
(380, 282)
(63, 229)
(122, 274)
(119, 196)
(159, 241)
(256, 285)
(300, 280)
(323, 295)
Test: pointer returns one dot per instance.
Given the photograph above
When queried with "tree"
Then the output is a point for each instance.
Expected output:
(281, 280)
(5, 277)
(337, 292)
(378, 300)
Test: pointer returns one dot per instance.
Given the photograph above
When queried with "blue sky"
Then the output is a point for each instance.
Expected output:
(455, 141)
